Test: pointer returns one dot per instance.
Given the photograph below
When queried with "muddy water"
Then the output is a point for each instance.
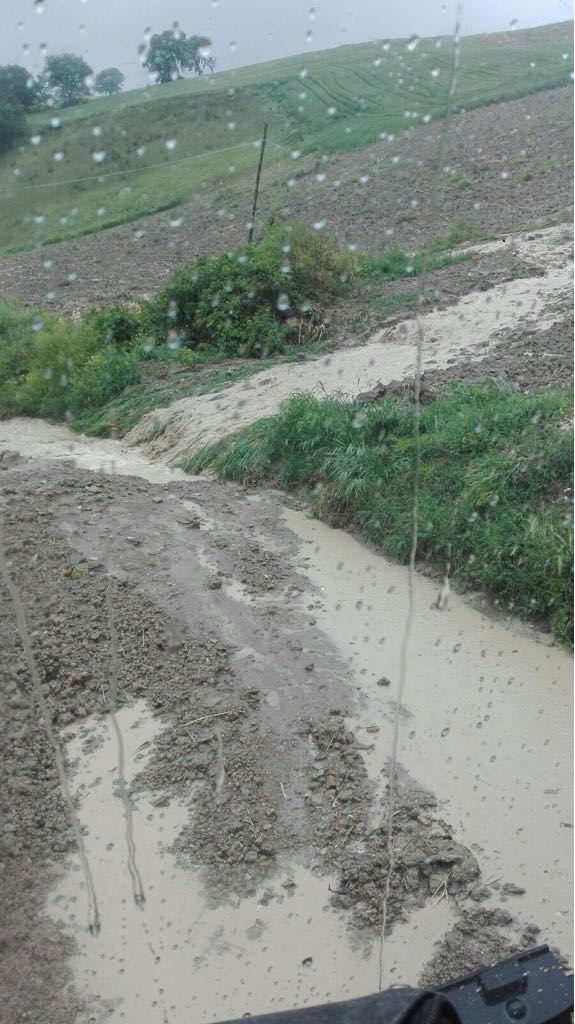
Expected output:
(485, 722)
(39, 440)
(183, 957)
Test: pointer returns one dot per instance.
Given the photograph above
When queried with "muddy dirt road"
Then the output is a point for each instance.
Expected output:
(256, 658)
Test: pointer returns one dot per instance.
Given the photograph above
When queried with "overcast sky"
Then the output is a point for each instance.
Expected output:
(109, 32)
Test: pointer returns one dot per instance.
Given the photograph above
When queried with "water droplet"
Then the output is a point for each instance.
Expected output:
(435, 72)
(295, 154)
(412, 43)
(140, 150)
(37, 325)
(231, 125)
(303, 73)
(36, 139)
(513, 24)
(283, 302)
(309, 36)
(99, 156)
(39, 6)
(319, 224)
(171, 143)
(58, 156)
(377, 62)
(385, 45)
(331, 111)
(96, 131)
(312, 13)
(101, 211)
(176, 222)
(55, 122)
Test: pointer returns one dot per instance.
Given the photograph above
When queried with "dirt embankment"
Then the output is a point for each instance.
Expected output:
(294, 781)
(510, 168)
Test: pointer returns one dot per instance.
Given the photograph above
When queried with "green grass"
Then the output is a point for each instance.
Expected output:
(118, 416)
(352, 95)
(493, 462)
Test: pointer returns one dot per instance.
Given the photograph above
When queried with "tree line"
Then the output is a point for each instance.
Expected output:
(68, 79)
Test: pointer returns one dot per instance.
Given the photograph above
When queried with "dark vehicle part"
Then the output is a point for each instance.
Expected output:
(531, 987)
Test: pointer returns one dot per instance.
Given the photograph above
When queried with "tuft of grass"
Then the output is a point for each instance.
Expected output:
(462, 231)
(493, 462)
(395, 263)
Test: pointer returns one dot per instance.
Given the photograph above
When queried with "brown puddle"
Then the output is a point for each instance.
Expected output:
(486, 717)
(180, 957)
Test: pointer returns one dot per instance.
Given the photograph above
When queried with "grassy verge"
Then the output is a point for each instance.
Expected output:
(494, 466)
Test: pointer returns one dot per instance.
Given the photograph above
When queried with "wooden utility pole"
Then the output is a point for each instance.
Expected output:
(257, 188)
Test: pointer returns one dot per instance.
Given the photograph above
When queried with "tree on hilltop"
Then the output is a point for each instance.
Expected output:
(172, 53)
(109, 81)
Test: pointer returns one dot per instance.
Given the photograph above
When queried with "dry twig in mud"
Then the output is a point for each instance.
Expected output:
(283, 789)
(330, 742)
(440, 893)
(216, 714)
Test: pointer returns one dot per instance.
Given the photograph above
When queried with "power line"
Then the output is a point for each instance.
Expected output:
(132, 170)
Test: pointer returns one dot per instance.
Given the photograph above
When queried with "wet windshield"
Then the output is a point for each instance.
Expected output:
(286, 537)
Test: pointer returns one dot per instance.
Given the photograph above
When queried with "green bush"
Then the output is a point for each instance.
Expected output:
(114, 324)
(56, 368)
(238, 303)
(16, 333)
(104, 375)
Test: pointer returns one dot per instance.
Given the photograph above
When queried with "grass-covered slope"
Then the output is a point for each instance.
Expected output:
(201, 132)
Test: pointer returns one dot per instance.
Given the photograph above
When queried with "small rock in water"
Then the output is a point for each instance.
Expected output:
(510, 889)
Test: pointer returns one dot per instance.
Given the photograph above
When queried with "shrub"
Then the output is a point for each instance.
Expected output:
(103, 375)
(16, 333)
(239, 302)
(56, 368)
(114, 324)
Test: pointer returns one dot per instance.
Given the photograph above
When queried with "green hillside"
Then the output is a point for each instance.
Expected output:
(196, 134)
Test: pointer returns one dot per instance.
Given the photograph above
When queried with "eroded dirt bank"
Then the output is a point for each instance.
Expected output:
(257, 750)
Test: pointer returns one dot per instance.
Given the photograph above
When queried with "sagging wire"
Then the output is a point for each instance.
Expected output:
(130, 170)
(415, 498)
